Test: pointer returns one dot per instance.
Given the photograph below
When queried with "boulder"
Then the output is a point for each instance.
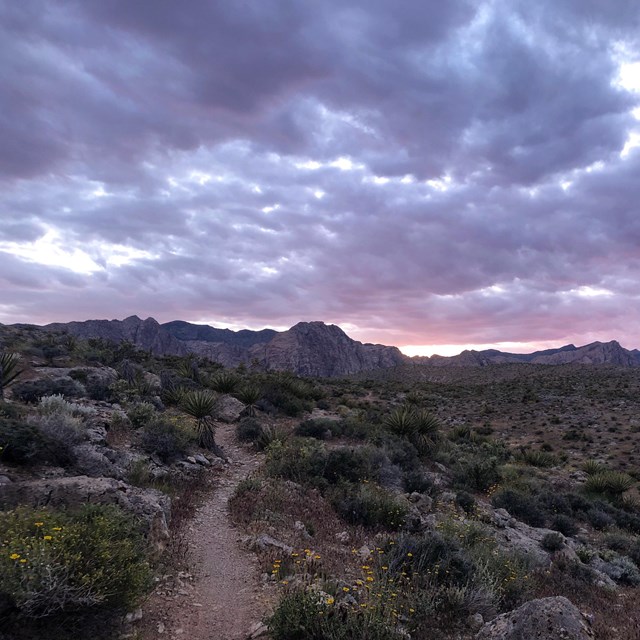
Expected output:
(544, 619)
(229, 409)
(151, 506)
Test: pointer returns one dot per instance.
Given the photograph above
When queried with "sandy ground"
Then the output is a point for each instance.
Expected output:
(220, 598)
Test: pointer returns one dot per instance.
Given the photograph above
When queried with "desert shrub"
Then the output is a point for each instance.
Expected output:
(430, 556)
(8, 410)
(599, 519)
(54, 561)
(284, 401)
(318, 429)
(565, 524)
(302, 615)
(552, 542)
(98, 389)
(306, 461)
(248, 430)
(416, 480)
(399, 451)
(369, 506)
(466, 502)
(141, 414)
(25, 443)
(57, 405)
(477, 473)
(32, 390)
(620, 568)
(520, 505)
(165, 439)
(269, 435)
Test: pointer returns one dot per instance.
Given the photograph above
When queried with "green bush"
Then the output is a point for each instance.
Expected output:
(566, 525)
(611, 484)
(26, 444)
(318, 429)
(165, 439)
(54, 561)
(369, 506)
(141, 414)
(520, 505)
(248, 430)
(552, 542)
(302, 615)
(477, 473)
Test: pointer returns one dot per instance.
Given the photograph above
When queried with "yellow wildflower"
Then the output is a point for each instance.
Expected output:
(14, 556)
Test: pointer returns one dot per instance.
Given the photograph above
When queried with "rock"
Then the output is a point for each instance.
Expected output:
(229, 409)
(5, 480)
(544, 619)
(161, 627)
(364, 552)
(258, 630)
(424, 504)
(92, 462)
(300, 528)
(133, 616)
(191, 459)
(200, 459)
(415, 496)
(475, 622)
(343, 537)
(151, 506)
(265, 541)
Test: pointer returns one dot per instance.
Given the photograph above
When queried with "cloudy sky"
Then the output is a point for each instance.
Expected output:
(419, 172)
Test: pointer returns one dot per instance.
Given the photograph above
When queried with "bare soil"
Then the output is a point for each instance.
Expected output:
(220, 597)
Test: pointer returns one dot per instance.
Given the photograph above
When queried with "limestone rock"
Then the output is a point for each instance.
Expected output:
(229, 409)
(544, 619)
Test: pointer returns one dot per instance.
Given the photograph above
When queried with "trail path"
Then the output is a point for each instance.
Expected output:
(225, 598)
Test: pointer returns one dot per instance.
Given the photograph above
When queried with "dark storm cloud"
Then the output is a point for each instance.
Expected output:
(426, 172)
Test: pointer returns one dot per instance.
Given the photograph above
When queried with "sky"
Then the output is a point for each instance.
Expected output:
(432, 175)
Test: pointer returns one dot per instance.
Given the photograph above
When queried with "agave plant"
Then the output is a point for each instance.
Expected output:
(609, 483)
(591, 467)
(9, 369)
(200, 405)
(224, 382)
(418, 426)
(249, 395)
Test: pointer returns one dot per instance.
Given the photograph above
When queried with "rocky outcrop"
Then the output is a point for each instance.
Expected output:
(308, 348)
(544, 619)
(151, 506)
(317, 349)
(144, 334)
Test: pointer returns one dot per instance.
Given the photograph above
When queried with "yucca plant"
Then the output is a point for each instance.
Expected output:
(9, 369)
(591, 467)
(200, 405)
(610, 483)
(418, 426)
(188, 368)
(249, 395)
(540, 459)
(224, 382)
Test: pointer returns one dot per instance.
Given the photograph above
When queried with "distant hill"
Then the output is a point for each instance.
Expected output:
(610, 353)
(318, 349)
(308, 348)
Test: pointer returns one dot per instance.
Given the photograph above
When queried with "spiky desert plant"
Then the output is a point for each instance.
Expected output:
(541, 459)
(418, 426)
(591, 467)
(200, 405)
(9, 369)
(128, 370)
(249, 395)
(188, 368)
(426, 431)
(224, 382)
(610, 483)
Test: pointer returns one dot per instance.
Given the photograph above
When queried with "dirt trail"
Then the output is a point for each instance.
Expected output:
(225, 598)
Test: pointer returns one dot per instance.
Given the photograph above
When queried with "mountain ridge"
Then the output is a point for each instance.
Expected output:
(317, 349)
